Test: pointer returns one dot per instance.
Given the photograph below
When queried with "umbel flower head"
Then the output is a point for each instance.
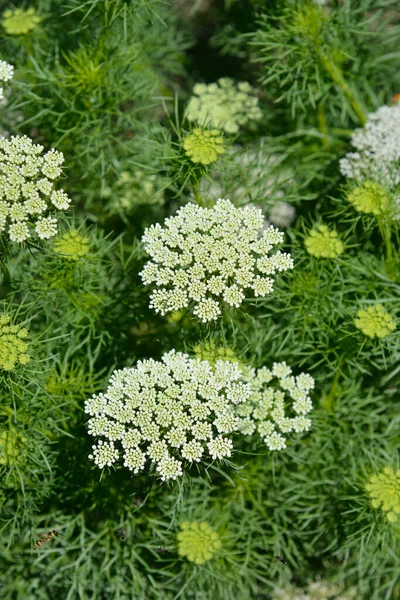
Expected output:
(384, 492)
(167, 412)
(375, 321)
(72, 245)
(27, 191)
(377, 155)
(197, 542)
(204, 145)
(224, 105)
(20, 21)
(206, 256)
(282, 214)
(6, 73)
(369, 197)
(266, 411)
(323, 242)
(13, 345)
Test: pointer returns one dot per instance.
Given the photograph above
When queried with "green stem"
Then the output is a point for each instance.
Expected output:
(327, 402)
(256, 504)
(198, 198)
(323, 126)
(384, 227)
(337, 76)
(8, 411)
(6, 280)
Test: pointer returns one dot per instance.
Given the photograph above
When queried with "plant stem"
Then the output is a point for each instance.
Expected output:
(6, 280)
(195, 187)
(322, 125)
(337, 76)
(327, 402)
(384, 227)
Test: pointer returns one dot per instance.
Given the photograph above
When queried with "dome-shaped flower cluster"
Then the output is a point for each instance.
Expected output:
(27, 191)
(13, 345)
(384, 491)
(375, 321)
(224, 105)
(209, 256)
(20, 21)
(267, 413)
(6, 73)
(204, 145)
(197, 542)
(72, 245)
(167, 412)
(323, 243)
(378, 150)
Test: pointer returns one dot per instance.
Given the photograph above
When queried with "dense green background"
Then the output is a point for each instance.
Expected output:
(106, 83)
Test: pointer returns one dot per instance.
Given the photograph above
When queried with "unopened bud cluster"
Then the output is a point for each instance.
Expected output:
(197, 542)
(384, 491)
(13, 345)
(375, 321)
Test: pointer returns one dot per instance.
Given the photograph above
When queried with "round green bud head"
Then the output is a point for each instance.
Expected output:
(11, 445)
(375, 321)
(72, 245)
(20, 21)
(197, 542)
(384, 492)
(370, 198)
(13, 347)
(324, 243)
(204, 146)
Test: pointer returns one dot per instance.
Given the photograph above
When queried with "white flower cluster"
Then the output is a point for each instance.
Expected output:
(26, 188)
(378, 149)
(265, 412)
(315, 590)
(167, 412)
(205, 256)
(224, 105)
(282, 214)
(6, 73)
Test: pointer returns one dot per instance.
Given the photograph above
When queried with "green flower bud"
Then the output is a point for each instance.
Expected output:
(323, 243)
(72, 245)
(370, 197)
(13, 348)
(375, 321)
(384, 492)
(204, 146)
(197, 542)
(20, 21)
